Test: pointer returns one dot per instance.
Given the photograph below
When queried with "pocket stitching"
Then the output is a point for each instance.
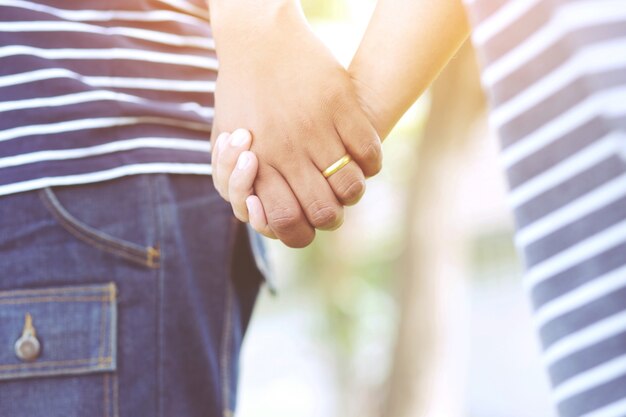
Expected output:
(77, 362)
(79, 289)
(53, 299)
(144, 256)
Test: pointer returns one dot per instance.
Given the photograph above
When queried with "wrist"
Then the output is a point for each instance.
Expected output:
(237, 24)
(377, 110)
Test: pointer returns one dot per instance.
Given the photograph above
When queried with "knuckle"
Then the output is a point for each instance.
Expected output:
(351, 190)
(371, 154)
(300, 241)
(283, 219)
(323, 215)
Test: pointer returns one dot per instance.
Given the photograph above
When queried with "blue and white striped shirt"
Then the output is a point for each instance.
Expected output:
(95, 90)
(556, 74)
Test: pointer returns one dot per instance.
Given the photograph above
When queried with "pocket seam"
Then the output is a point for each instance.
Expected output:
(148, 257)
(76, 362)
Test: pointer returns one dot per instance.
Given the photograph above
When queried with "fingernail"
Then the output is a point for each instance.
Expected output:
(239, 137)
(249, 205)
(243, 161)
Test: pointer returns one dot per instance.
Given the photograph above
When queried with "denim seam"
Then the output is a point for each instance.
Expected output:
(55, 372)
(142, 256)
(225, 357)
(49, 299)
(105, 395)
(70, 362)
(15, 293)
(113, 312)
(115, 399)
(227, 331)
(160, 275)
(103, 317)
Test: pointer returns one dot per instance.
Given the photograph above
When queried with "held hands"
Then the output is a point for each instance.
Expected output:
(302, 112)
(235, 169)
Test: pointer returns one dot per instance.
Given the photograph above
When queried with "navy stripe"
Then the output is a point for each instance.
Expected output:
(103, 109)
(94, 137)
(571, 234)
(99, 163)
(595, 398)
(75, 39)
(106, 68)
(552, 58)
(586, 359)
(8, 13)
(517, 32)
(64, 86)
(578, 275)
(575, 187)
(582, 317)
(567, 145)
(553, 106)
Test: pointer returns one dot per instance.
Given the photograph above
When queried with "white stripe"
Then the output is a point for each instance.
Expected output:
(610, 103)
(111, 147)
(159, 84)
(151, 84)
(590, 379)
(598, 58)
(576, 254)
(569, 17)
(98, 95)
(582, 160)
(107, 15)
(82, 124)
(616, 409)
(581, 296)
(600, 197)
(187, 7)
(508, 14)
(112, 54)
(151, 168)
(585, 338)
(149, 35)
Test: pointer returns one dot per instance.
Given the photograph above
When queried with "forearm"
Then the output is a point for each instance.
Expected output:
(406, 45)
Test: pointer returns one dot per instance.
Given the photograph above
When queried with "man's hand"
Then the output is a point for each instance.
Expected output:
(279, 82)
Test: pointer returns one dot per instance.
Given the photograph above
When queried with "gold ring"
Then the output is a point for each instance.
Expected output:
(342, 162)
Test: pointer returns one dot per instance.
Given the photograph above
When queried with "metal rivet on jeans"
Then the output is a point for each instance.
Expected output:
(27, 347)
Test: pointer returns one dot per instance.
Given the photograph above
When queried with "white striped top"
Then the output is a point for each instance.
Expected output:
(555, 71)
(95, 90)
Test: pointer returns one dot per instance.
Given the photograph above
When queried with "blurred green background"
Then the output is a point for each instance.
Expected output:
(414, 307)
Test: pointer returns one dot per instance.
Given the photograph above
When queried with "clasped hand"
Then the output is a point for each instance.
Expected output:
(301, 113)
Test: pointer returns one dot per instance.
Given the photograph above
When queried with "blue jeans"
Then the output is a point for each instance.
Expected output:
(139, 291)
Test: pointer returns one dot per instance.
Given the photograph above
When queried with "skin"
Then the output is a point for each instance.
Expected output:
(302, 113)
(394, 64)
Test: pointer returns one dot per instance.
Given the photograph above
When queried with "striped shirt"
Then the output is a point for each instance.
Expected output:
(95, 90)
(555, 71)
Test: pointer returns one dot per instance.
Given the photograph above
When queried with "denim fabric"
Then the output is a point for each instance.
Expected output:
(140, 291)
